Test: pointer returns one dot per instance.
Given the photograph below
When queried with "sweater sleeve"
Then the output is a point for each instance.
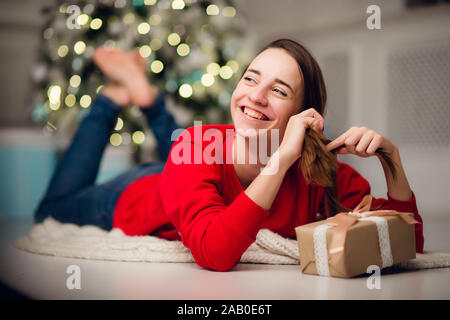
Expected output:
(353, 187)
(216, 234)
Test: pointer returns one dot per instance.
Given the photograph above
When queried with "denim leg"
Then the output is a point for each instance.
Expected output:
(71, 196)
(162, 124)
(76, 172)
(95, 204)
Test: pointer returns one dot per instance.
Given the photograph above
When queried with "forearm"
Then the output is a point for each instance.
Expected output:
(264, 188)
(398, 187)
(162, 123)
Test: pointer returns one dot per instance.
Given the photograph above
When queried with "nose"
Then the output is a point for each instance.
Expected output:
(259, 95)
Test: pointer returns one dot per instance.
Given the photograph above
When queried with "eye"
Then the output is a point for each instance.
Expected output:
(249, 79)
(280, 91)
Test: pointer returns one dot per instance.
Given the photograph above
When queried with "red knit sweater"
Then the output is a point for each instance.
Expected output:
(205, 206)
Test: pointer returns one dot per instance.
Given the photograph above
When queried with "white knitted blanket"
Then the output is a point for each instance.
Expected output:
(90, 242)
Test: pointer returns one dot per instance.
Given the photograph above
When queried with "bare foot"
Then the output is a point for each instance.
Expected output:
(126, 70)
(138, 59)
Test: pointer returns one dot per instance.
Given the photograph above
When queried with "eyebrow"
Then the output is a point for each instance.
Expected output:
(276, 79)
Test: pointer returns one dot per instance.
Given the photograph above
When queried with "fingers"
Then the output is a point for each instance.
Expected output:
(375, 144)
(312, 113)
(357, 140)
(339, 141)
(364, 141)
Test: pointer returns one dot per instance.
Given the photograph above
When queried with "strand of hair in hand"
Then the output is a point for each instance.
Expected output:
(320, 167)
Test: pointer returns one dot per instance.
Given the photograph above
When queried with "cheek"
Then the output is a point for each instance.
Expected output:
(285, 111)
(238, 92)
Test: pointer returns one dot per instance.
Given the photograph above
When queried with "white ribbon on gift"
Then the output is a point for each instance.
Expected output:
(321, 250)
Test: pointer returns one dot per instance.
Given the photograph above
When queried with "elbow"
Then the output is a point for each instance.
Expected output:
(220, 266)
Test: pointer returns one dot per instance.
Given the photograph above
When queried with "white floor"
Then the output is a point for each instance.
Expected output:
(45, 277)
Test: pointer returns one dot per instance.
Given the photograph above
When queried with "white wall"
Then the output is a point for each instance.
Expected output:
(20, 34)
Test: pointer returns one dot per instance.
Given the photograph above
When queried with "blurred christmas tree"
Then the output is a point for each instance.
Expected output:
(194, 49)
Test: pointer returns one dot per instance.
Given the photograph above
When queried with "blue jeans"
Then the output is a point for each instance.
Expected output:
(72, 195)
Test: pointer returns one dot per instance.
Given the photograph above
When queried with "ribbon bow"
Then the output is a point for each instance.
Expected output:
(344, 220)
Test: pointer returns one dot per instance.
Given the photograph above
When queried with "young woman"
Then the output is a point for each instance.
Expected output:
(217, 207)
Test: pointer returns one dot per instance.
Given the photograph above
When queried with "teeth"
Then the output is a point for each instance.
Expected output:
(254, 114)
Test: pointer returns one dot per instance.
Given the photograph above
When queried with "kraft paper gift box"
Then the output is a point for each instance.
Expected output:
(346, 244)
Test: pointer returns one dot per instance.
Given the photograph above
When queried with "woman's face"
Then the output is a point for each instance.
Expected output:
(268, 94)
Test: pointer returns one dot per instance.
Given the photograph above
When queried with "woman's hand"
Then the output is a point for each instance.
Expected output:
(291, 146)
(361, 141)
(364, 142)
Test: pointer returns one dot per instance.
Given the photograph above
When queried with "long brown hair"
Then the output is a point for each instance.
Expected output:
(318, 165)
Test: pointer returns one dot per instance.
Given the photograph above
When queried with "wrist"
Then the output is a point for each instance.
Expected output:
(278, 163)
(286, 159)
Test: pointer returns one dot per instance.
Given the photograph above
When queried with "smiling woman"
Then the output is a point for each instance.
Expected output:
(217, 209)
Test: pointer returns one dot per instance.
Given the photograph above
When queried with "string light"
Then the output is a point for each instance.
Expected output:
(183, 49)
(207, 80)
(119, 124)
(115, 139)
(129, 18)
(79, 47)
(85, 101)
(156, 66)
(63, 50)
(154, 19)
(233, 65)
(82, 19)
(70, 100)
(226, 72)
(145, 51)
(143, 28)
(212, 10)
(229, 12)
(213, 68)
(185, 90)
(173, 39)
(100, 87)
(155, 44)
(54, 93)
(96, 24)
(54, 96)
(178, 5)
(75, 80)
(138, 137)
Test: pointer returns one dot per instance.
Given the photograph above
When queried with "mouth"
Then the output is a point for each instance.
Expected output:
(253, 114)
